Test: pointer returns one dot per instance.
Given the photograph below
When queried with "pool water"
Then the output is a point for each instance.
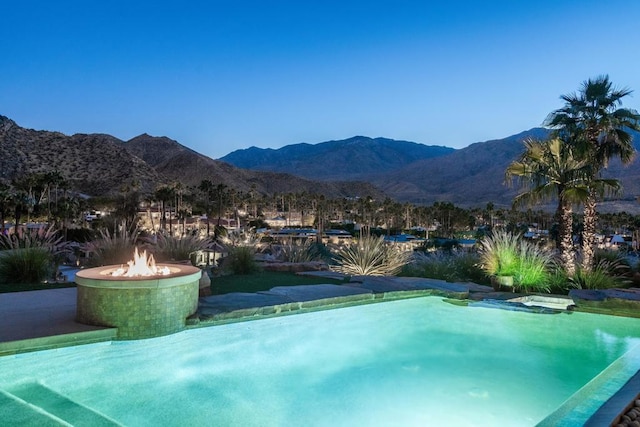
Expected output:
(412, 362)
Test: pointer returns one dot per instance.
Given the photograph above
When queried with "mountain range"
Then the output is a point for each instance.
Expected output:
(99, 164)
(357, 158)
(411, 172)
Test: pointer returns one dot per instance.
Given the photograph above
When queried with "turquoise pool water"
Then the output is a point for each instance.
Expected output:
(411, 362)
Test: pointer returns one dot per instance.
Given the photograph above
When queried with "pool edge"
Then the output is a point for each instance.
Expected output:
(599, 398)
(57, 341)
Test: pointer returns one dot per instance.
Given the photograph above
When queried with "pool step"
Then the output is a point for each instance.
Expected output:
(16, 412)
(60, 407)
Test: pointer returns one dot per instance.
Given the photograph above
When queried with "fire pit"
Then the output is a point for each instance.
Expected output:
(142, 300)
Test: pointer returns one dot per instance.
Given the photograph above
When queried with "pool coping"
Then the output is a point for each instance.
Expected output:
(616, 406)
(361, 290)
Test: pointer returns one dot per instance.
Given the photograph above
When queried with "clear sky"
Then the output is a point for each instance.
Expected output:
(221, 75)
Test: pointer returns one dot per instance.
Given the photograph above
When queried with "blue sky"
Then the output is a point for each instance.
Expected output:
(222, 75)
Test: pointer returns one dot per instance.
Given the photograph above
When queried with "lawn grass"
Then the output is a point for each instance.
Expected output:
(21, 287)
(263, 281)
(260, 281)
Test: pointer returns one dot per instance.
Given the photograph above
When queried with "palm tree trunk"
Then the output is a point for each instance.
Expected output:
(567, 256)
(589, 232)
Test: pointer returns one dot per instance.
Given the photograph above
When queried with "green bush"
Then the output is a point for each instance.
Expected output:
(506, 254)
(25, 265)
(533, 265)
(557, 280)
(370, 256)
(499, 254)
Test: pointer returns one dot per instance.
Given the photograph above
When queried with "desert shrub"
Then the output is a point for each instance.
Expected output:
(116, 248)
(81, 235)
(50, 239)
(439, 245)
(242, 248)
(432, 265)
(291, 251)
(453, 267)
(616, 262)
(178, 248)
(310, 250)
(25, 265)
(604, 275)
(468, 268)
(557, 280)
(240, 260)
(370, 256)
(320, 252)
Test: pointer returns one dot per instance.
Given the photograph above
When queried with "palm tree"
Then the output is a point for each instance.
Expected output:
(593, 122)
(53, 180)
(5, 203)
(550, 169)
(164, 194)
(207, 188)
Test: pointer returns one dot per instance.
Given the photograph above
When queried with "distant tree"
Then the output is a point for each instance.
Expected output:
(54, 180)
(206, 188)
(5, 203)
(164, 194)
(127, 204)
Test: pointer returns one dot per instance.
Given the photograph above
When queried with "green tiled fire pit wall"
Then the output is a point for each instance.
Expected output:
(139, 308)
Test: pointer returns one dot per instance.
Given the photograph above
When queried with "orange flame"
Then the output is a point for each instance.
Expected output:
(141, 266)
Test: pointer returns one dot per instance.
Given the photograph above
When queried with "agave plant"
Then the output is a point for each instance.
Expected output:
(370, 256)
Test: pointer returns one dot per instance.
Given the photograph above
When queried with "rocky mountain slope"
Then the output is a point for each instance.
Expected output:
(93, 164)
(471, 176)
(97, 164)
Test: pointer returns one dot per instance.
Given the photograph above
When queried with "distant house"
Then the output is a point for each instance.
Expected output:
(619, 242)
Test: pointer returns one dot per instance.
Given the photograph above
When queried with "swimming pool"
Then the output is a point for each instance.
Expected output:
(409, 362)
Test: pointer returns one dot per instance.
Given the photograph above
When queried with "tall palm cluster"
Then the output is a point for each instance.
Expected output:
(42, 195)
(588, 131)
